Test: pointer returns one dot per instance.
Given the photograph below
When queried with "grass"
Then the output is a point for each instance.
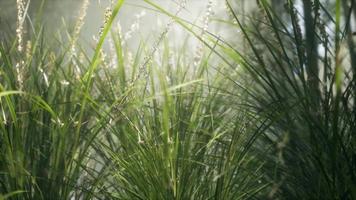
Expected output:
(272, 120)
(308, 96)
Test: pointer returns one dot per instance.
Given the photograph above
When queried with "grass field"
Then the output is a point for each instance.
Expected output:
(265, 111)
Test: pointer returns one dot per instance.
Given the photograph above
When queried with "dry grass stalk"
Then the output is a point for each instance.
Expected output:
(142, 69)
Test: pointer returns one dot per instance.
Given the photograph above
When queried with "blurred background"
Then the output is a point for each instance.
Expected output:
(61, 15)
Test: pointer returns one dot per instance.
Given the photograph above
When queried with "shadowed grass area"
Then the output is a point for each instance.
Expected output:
(304, 83)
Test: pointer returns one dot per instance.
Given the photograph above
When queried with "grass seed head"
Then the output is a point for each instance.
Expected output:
(28, 49)
(79, 24)
(20, 20)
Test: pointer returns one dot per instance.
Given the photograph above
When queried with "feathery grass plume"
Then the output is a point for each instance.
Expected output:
(79, 24)
(208, 13)
(107, 16)
(19, 34)
(20, 74)
(102, 54)
(28, 49)
(199, 50)
(20, 21)
(112, 62)
(77, 29)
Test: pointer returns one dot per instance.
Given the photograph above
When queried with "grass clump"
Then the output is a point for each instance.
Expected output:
(42, 104)
(304, 84)
(180, 141)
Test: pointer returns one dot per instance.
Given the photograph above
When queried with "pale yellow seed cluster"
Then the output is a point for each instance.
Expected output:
(103, 56)
(108, 13)
(28, 49)
(209, 12)
(78, 27)
(199, 51)
(80, 22)
(19, 34)
(19, 72)
(20, 20)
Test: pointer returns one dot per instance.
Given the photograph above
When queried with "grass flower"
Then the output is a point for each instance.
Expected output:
(21, 13)
(142, 71)
(77, 29)
(20, 21)
(28, 49)
(79, 24)
(199, 50)
(20, 73)
(107, 16)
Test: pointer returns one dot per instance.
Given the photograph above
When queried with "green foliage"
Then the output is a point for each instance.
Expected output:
(273, 118)
(74, 127)
(305, 85)
(179, 140)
